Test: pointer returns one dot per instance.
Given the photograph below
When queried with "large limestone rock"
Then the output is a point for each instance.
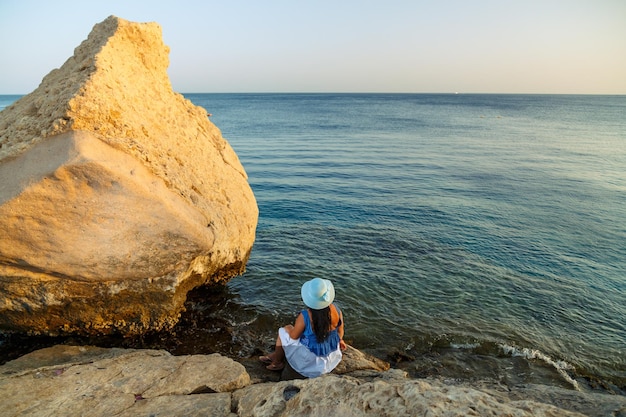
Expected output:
(117, 195)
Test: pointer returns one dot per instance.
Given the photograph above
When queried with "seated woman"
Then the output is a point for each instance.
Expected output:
(313, 345)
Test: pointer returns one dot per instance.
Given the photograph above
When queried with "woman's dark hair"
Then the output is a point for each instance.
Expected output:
(321, 323)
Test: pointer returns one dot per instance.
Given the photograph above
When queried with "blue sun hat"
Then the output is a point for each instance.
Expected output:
(318, 293)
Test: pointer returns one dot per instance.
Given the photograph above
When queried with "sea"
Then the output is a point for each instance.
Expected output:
(468, 236)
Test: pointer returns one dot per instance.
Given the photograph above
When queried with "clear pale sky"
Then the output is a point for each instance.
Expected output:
(500, 46)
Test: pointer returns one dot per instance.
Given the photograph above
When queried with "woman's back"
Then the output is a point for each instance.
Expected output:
(310, 338)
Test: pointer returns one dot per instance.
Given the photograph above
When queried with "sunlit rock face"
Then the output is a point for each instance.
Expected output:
(117, 195)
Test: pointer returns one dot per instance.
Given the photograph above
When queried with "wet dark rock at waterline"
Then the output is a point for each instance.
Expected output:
(208, 325)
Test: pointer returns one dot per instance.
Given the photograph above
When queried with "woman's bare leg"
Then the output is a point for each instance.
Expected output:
(278, 356)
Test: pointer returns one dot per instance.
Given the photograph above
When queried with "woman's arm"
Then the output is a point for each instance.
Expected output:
(297, 329)
(342, 344)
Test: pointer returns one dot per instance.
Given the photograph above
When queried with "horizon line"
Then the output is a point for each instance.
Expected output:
(374, 92)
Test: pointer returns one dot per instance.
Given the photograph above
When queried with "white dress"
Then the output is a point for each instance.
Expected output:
(305, 362)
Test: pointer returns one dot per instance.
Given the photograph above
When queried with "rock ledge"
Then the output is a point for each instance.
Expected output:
(80, 380)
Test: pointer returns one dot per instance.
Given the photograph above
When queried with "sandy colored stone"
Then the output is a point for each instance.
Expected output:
(350, 397)
(225, 375)
(117, 195)
(63, 356)
(123, 382)
(86, 380)
(356, 360)
(213, 405)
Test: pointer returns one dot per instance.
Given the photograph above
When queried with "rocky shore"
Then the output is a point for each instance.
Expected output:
(87, 380)
(118, 197)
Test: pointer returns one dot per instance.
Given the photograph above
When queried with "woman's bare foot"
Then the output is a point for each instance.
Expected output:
(266, 359)
(276, 366)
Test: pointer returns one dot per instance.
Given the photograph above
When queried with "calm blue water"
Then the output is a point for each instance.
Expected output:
(494, 224)
(462, 220)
